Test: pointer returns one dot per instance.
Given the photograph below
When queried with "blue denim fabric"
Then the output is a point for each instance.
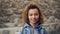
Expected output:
(27, 29)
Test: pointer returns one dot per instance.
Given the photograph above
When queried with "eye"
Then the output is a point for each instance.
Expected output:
(30, 14)
(36, 14)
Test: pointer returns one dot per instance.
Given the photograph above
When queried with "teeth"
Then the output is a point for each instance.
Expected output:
(33, 20)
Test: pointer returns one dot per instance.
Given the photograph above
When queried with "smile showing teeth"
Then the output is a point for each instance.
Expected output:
(33, 20)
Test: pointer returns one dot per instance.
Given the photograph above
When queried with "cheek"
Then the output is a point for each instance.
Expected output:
(29, 17)
(37, 17)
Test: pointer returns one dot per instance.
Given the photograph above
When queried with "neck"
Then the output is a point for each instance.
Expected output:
(32, 24)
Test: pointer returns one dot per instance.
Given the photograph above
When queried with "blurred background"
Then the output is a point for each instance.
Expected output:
(11, 15)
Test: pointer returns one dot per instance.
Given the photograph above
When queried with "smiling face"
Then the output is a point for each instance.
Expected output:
(33, 16)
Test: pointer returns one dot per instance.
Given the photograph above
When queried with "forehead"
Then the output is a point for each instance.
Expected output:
(33, 11)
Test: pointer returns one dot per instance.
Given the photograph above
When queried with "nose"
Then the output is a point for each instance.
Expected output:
(33, 16)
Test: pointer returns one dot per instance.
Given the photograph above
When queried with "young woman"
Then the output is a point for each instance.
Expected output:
(33, 18)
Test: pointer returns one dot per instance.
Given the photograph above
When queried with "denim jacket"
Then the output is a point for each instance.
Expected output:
(27, 29)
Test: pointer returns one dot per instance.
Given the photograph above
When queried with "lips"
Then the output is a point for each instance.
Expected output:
(33, 20)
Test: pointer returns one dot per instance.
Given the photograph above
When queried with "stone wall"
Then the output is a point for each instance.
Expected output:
(12, 30)
(11, 10)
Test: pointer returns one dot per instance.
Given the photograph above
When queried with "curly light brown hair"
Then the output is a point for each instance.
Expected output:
(26, 10)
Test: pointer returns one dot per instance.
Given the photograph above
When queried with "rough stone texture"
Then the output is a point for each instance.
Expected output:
(11, 10)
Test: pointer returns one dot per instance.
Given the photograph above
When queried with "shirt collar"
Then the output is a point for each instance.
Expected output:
(37, 26)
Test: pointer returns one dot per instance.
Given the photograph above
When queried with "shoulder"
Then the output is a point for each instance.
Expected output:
(20, 29)
(44, 30)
